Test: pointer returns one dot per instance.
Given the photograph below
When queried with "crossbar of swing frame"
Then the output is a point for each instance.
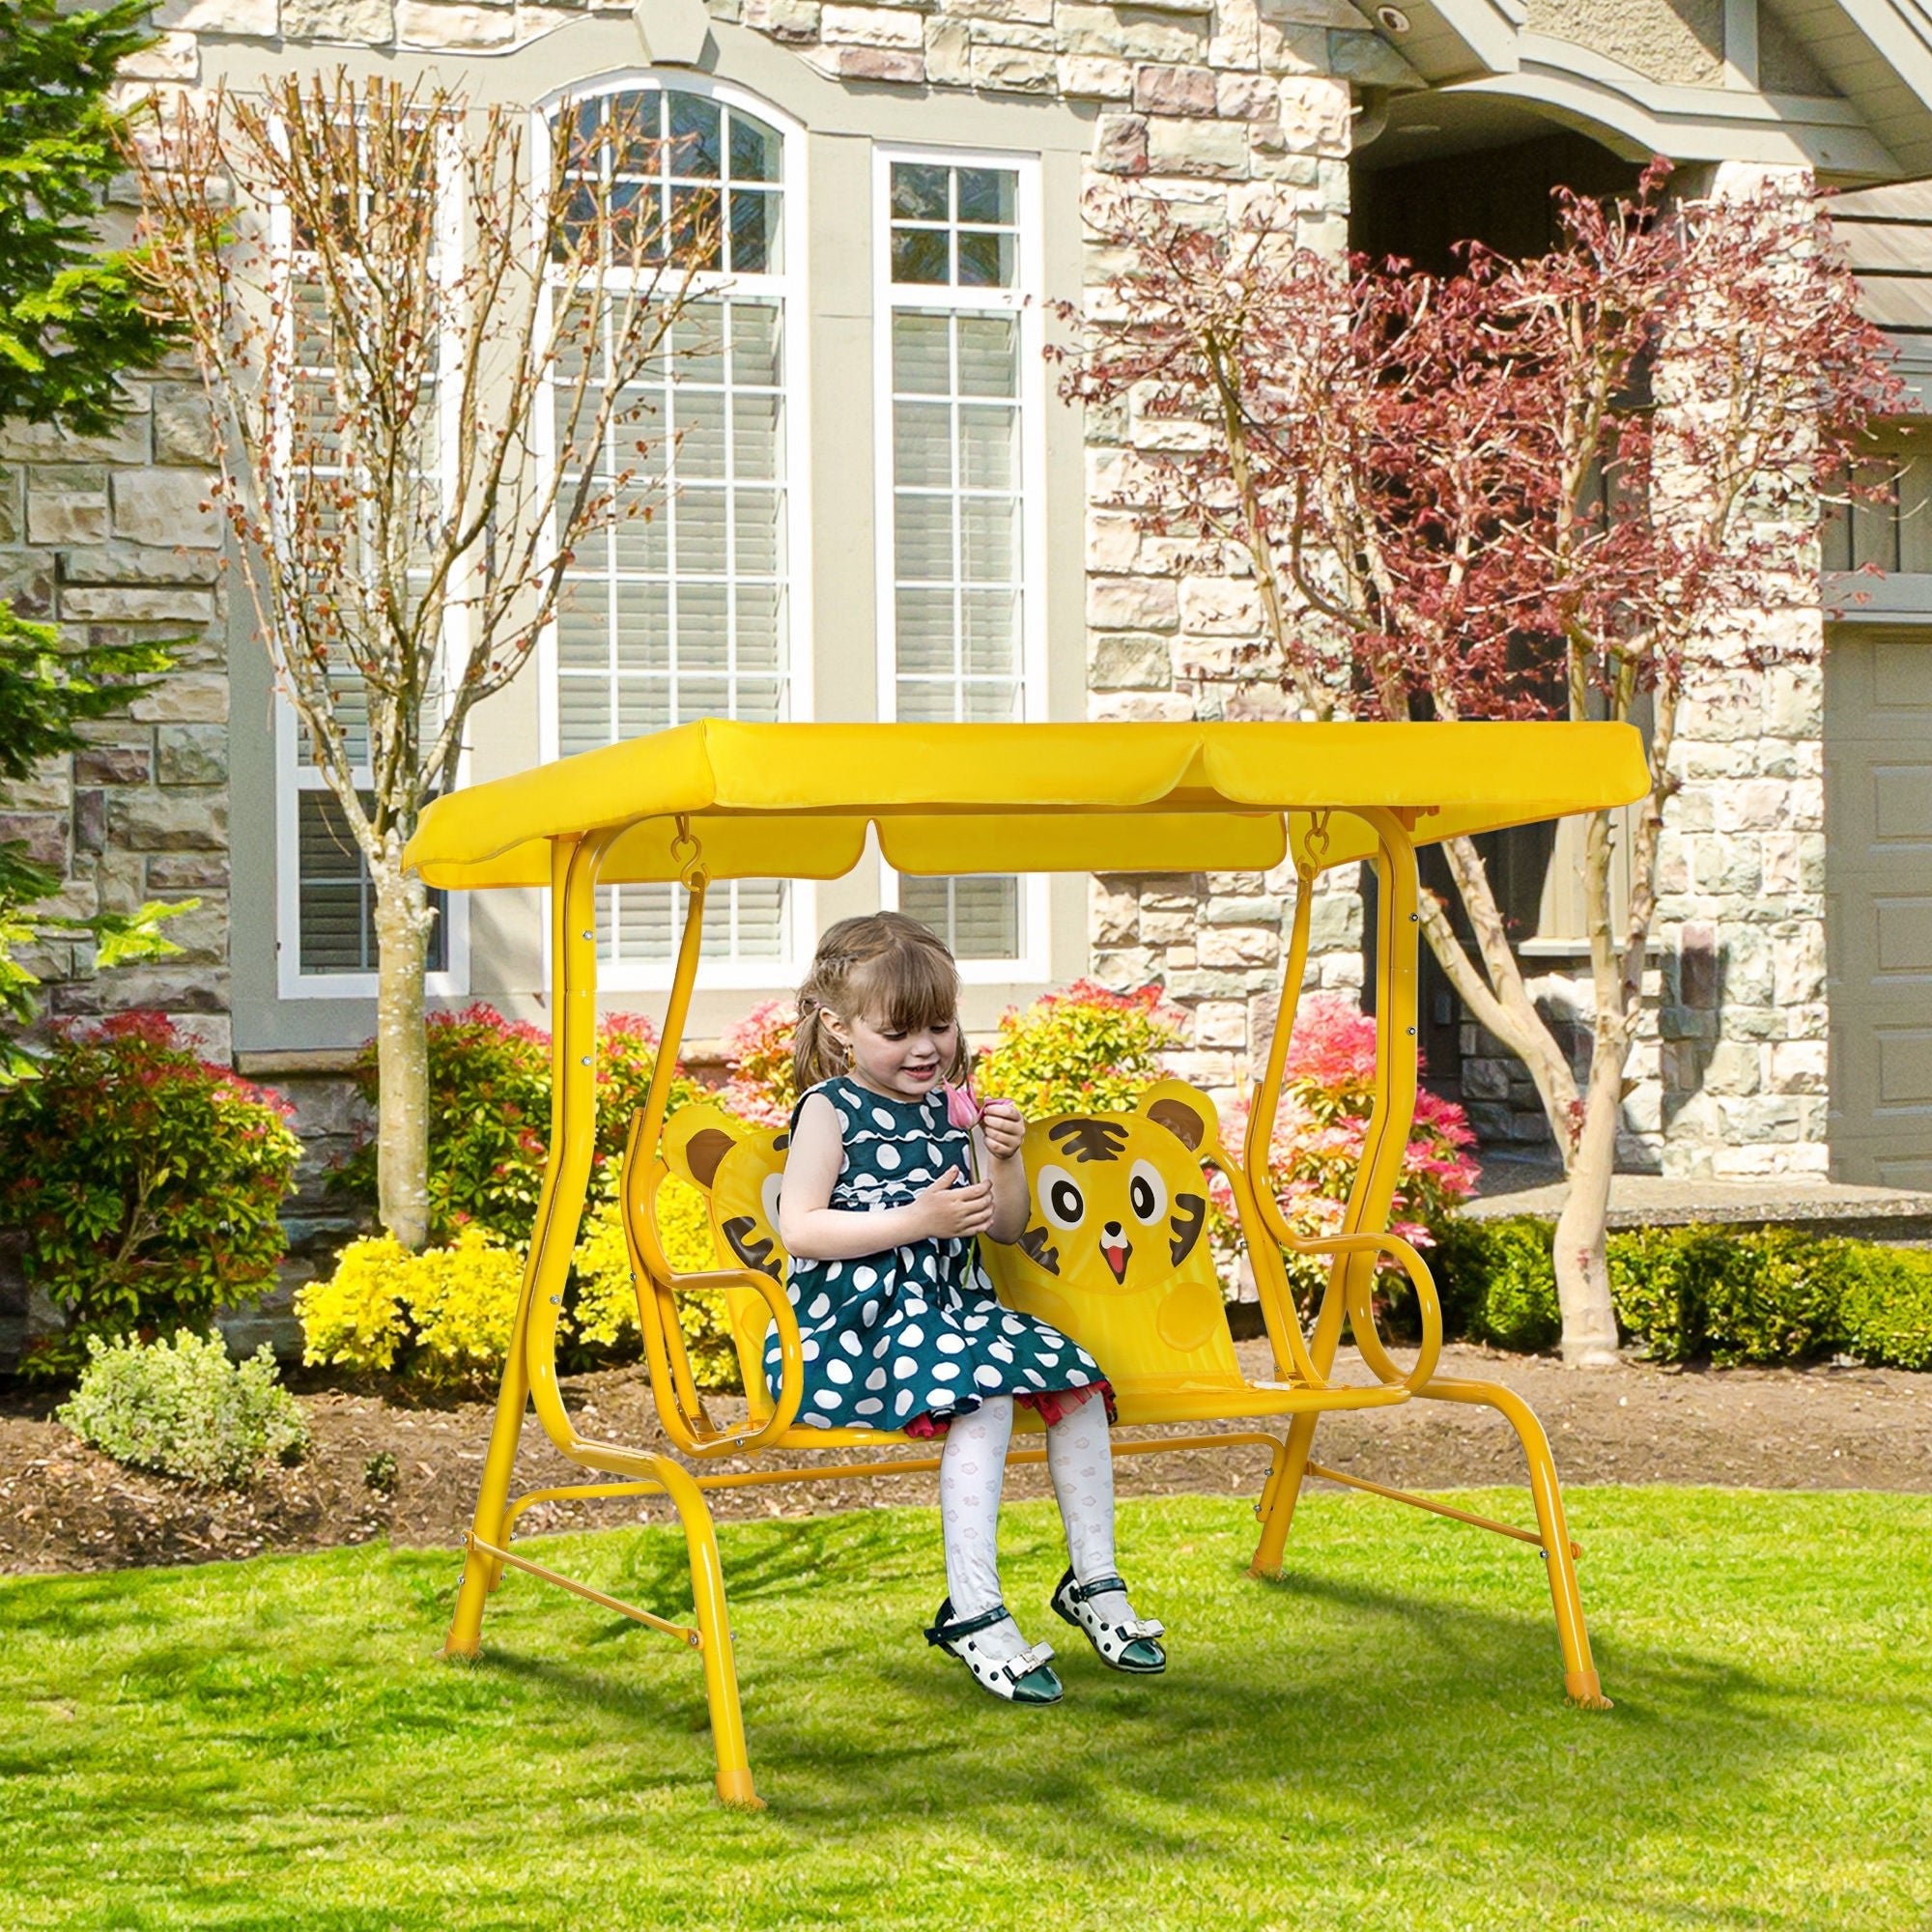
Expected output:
(530, 1376)
(846, 1472)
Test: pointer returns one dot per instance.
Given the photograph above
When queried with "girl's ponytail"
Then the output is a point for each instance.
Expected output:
(881, 966)
(816, 1055)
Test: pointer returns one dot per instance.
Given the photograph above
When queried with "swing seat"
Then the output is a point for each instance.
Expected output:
(1158, 1328)
(715, 799)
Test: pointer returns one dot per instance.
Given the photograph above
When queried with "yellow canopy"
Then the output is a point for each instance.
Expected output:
(794, 801)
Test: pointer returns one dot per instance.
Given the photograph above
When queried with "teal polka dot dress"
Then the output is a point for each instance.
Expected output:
(913, 1335)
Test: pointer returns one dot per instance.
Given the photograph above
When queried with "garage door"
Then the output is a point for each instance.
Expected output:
(1878, 875)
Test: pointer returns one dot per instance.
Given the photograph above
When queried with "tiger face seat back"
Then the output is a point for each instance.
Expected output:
(1116, 1250)
(737, 1166)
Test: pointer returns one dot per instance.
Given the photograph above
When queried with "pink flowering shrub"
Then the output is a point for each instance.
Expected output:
(1083, 1046)
(489, 1116)
(757, 1058)
(1327, 1099)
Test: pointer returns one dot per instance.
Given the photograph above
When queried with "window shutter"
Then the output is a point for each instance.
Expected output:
(337, 930)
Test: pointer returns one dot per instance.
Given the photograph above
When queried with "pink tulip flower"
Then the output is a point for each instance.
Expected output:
(962, 1108)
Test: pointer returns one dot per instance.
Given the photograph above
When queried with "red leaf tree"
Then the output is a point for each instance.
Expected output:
(1577, 486)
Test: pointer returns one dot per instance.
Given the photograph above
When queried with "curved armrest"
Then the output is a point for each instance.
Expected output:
(670, 1373)
(791, 1363)
(690, 1433)
(1361, 1317)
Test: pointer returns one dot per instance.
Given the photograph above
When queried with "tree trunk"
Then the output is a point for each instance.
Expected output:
(1582, 1275)
(403, 919)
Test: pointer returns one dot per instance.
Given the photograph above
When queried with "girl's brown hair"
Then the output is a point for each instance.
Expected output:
(884, 968)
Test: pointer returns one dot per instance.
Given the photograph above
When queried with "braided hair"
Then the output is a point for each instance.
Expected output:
(881, 967)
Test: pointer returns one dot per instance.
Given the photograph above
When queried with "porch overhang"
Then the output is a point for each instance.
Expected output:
(1875, 54)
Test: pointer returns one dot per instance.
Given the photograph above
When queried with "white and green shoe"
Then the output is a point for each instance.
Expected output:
(1131, 1644)
(1024, 1679)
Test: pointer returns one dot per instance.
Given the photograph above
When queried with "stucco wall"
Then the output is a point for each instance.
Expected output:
(1678, 42)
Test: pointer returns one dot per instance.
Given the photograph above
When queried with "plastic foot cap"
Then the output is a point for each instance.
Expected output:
(735, 1788)
(1583, 1689)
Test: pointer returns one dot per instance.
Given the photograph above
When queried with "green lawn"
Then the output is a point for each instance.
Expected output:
(1379, 1742)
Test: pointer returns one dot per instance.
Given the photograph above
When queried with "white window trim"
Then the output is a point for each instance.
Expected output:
(790, 288)
(292, 779)
(293, 776)
(1027, 302)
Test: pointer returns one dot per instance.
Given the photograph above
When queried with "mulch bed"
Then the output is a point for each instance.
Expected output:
(378, 1468)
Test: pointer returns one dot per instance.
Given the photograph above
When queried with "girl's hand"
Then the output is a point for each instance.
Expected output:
(946, 1209)
(1004, 1127)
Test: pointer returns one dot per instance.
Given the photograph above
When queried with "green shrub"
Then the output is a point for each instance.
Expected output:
(1085, 1046)
(1506, 1280)
(1660, 1286)
(1772, 1298)
(1461, 1260)
(1697, 1292)
(184, 1408)
(489, 1116)
(1885, 1302)
(1761, 1295)
(145, 1181)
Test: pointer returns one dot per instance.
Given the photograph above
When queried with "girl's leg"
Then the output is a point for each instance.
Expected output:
(972, 1474)
(1080, 1459)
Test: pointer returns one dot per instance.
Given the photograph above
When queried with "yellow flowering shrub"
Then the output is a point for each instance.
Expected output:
(463, 1305)
(355, 1319)
(442, 1315)
(606, 1303)
(445, 1316)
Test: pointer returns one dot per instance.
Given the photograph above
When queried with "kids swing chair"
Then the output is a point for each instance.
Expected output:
(716, 801)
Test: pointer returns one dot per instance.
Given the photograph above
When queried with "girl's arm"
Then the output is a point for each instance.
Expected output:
(814, 1231)
(1002, 1129)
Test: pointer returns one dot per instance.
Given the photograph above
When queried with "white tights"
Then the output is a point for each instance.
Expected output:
(972, 1473)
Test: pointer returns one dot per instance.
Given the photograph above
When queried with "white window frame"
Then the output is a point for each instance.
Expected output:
(789, 288)
(294, 775)
(1027, 302)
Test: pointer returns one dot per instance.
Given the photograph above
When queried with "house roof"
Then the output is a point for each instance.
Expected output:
(796, 801)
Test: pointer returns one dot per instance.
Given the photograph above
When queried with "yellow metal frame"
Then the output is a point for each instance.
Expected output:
(1355, 1251)
(1385, 833)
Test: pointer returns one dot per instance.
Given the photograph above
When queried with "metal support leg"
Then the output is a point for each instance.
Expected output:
(479, 1572)
(720, 1670)
(1579, 1674)
(1278, 1499)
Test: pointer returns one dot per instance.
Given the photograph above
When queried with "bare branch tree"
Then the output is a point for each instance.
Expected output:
(424, 347)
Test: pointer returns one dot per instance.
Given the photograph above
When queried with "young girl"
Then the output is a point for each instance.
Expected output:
(881, 1208)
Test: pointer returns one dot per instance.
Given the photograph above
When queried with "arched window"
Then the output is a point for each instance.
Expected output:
(686, 612)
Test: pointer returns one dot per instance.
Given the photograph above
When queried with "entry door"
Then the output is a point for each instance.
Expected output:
(1878, 877)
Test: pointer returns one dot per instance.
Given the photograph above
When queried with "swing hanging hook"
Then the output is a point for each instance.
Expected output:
(688, 855)
(1313, 847)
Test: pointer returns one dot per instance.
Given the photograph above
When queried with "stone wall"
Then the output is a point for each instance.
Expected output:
(1743, 1014)
(115, 539)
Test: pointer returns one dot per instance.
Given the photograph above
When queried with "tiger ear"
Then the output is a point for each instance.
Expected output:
(1185, 1112)
(695, 1140)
